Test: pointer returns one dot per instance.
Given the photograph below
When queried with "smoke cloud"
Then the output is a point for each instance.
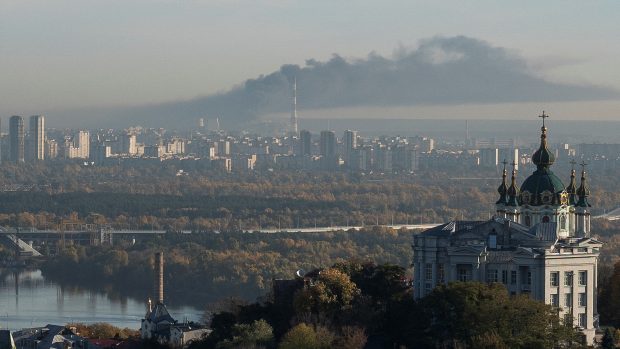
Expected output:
(440, 71)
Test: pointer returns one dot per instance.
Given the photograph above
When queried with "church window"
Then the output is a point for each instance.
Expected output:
(568, 278)
(568, 319)
(428, 272)
(563, 222)
(546, 197)
(568, 300)
(463, 273)
(555, 300)
(529, 278)
(525, 197)
(545, 219)
(528, 220)
(440, 273)
(583, 320)
(513, 277)
(583, 277)
(583, 299)
(555, 278)
(492, 241)
(492, 275)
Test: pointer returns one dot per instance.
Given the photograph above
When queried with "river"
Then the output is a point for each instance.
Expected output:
(27, 299)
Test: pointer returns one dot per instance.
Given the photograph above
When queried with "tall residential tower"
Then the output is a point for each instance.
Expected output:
(37, 138)
(16, 134)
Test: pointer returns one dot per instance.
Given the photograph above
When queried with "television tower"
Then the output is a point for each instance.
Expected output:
(294, 127)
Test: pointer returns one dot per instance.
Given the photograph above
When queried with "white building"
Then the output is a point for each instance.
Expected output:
(538, 244)
(159, 326)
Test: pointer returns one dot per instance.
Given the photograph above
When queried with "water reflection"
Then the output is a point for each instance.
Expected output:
(27, 299)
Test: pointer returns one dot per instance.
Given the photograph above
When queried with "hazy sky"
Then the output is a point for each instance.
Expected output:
(65, 54)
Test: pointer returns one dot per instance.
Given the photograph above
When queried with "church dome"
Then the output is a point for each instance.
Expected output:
(542, 187)
(543, 156)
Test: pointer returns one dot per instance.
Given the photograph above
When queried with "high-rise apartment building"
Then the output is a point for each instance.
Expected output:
(16, 134)
(51, 149)
(37, 138)
(350, 144)
(129, 144)
(83, 144)
(328, 144)
(305, 143)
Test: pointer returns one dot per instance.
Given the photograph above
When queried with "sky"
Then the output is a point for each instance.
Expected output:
(68, 55)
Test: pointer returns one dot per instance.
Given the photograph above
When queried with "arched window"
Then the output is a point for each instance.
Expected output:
(545, 219)
(563, 222)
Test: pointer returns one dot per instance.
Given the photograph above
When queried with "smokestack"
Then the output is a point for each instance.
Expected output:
(159, 278)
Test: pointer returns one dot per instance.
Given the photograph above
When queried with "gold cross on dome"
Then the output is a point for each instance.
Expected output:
(543, 116)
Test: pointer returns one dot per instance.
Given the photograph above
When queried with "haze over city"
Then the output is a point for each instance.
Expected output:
(167, 63)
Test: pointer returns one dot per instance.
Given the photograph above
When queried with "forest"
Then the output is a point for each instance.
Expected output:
(203, 268)
(218, 207)
(153, 196)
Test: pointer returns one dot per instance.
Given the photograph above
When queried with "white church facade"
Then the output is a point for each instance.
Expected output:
(538, 243)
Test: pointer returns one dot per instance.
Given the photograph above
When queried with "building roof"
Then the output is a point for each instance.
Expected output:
(160, 314)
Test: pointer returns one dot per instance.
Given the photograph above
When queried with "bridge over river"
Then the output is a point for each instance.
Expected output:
(26, 240)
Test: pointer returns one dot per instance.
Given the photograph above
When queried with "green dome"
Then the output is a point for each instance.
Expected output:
(536, 188)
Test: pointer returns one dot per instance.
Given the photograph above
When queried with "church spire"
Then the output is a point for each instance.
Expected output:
(513, 190)
(503, 188)
(571, 190)
(584, 189)
(543, 157)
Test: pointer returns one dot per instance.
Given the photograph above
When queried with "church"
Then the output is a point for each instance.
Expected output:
(538, 244)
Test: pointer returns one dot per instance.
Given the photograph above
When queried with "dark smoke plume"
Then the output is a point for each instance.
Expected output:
(440, 71)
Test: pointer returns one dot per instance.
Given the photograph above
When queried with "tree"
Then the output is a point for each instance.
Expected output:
(609, 340)
(468, 312)
(351, 338)
(610, 298)
(332, 291)
(304, 336)
(258, 333)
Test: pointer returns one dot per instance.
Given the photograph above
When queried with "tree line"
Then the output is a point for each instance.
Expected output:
(353, 304)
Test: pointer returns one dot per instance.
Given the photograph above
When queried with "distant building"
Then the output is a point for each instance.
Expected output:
(50, 337)
(599, 151)
(489, 157)
(328, 144)
(176, 146)
(77, 147)
(305, 143)
(350, 144)
(51, 149)
(129, 144)
(495, 143)
(83, 144)
(383, 158)
(158, 325)
(16, 134)
(37, 138)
